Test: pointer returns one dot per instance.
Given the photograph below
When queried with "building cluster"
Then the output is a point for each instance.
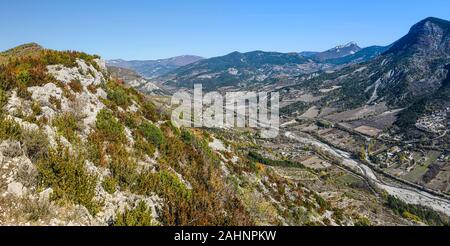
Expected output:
(434, 123)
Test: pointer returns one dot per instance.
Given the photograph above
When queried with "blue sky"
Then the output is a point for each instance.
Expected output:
(139, 29)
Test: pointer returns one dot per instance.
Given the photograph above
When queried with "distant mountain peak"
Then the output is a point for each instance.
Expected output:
(348, 45)
(338, 51)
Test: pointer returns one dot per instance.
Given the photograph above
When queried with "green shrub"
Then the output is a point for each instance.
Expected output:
(3, 99)
(162, 183)
(363, 221)
(23, 78)
(266, 161)
(143, 147)
(109, 184)
(122, 166)
(95, 149)
(66, 175)
(9, 129)
(36, 108)
(139, 216)
(131, 120)
(149, 111)
(416, 212)
(67, 125)
(152, 133)
(118, 95)
(109, 127)
(66, 58)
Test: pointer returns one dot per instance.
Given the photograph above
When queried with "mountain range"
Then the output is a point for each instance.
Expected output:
(407, 71)
(153, 68)
(259, 68)
(246, 69)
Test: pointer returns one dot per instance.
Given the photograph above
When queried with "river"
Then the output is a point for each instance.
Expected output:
(409, 195)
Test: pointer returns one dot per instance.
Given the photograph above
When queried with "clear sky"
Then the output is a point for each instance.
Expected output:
(150, 29)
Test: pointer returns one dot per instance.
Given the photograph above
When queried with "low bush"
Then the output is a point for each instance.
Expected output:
(139, 216)
(36, 108)
(142, 147)
(122, 165)
(118, 95)
(67, 125)
(76, 86)
(55, 102)
(109, 127)
(65, 173)
(9, 129)
(152, 133)
(109, 184)
(149, 111)
(415, 212)
(3, 99)
(92, 88)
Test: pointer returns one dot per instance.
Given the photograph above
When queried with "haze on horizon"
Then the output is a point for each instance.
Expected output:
(138, 29)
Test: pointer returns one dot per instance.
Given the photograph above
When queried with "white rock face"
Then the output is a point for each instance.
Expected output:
(85, 104)
(102, 64)
(84, 73)
(16, 189)
(43, 93)
(149, 87)
(217, 145)
(14, 104)
(89, 106)
(44, 196)
(119, 201)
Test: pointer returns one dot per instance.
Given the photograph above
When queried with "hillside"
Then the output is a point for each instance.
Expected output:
(131, 78)
(413, 67)
(78, 147)
(240, 70)
(392, 112)
(20, 51)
